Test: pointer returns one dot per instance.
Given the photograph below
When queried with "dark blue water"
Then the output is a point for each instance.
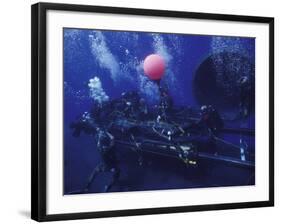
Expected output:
(116, 58)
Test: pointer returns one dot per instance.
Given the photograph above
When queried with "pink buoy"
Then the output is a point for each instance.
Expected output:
(154, 66)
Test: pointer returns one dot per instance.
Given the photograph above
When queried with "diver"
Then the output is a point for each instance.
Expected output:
(86, 123)
(211, 119)
(130, 104)
(105, 146)
(244, 92)
(143, 109)
(128, 110)
(165, 105)
(100, 111)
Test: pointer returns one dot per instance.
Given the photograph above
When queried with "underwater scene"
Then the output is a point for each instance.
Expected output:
(157, 111)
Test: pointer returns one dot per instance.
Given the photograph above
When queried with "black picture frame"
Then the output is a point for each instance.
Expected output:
(38, 116)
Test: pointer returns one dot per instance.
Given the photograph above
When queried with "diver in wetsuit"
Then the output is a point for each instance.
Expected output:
(85, 123)
(211, 119)
(166, 103)
(105, 145)
(130, 101)
(244, 88)
(143, 109)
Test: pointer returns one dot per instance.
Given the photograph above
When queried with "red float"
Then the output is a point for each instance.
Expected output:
(154, 66)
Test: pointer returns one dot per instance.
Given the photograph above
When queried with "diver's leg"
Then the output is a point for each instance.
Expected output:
(116, 175)
(137, 149)
(140, 159)
(99, 168)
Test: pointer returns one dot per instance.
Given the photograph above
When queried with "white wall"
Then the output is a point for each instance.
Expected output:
(15, 110)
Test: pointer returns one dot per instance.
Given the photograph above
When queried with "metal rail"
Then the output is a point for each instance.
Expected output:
(202, 155)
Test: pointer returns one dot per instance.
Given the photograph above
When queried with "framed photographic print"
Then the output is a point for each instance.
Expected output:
(138, 111)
